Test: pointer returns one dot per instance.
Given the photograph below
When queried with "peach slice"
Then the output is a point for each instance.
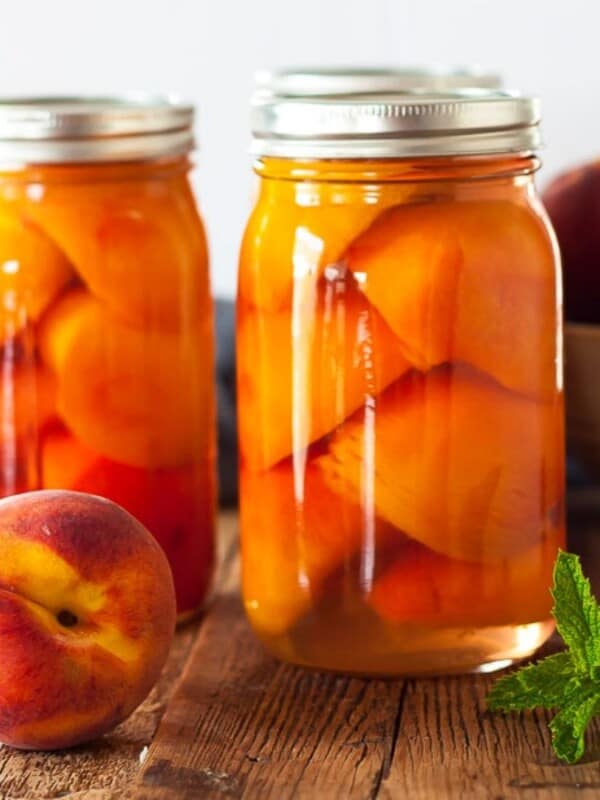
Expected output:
(176, 505)
(470, 282)
(33, 270)
(65, 460)
(138, 245)
(295, 533)
(287, 244)
(301, 373)
(465, 467)
(423, 587)
(60, 328)
(27, 399)
(140, 397)
(27, 406)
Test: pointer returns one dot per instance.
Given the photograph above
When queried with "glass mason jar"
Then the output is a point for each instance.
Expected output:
(106, 381)
(400, 384)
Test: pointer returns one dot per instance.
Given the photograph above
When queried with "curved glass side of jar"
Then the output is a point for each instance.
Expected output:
(400, 414)
(106, 382)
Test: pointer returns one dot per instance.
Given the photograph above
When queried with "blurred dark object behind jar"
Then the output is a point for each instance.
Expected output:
(227, 428)
(573, 203)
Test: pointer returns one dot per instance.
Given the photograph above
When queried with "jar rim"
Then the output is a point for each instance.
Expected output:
(68, 129)
(408, 124)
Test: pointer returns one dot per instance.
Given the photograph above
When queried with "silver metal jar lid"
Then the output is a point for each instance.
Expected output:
(469, 122)
(315, 81)
(50, 130)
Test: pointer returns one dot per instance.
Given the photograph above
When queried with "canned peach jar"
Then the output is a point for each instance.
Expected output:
(400, 384)
(106, 381)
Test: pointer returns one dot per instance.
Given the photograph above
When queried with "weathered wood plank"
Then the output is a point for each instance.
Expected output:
(241, 725)
(449, 746)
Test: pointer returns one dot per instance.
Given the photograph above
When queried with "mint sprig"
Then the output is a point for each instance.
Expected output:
(568, 681)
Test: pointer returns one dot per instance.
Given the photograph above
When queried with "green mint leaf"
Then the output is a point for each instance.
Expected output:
(576, 613)
(568, 726)
(568, 681)
(544, 684)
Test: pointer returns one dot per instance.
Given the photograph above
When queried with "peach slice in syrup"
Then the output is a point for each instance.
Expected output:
(460, 464)
(287, 243)
(466, 281)
(135, 244)
(296, 532)
(427, 588)
(133, 395)
(33, 271)
(301, 373)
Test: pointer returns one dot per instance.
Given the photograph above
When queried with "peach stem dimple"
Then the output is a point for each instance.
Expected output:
(66, 618)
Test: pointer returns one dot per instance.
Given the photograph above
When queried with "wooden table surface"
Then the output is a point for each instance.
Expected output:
(228, 721)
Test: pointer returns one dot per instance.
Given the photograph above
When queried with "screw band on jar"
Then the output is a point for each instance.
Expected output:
(43, 130)
(413, 124)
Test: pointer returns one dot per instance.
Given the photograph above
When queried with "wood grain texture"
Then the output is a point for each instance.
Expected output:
(450, 746)
(242, 725)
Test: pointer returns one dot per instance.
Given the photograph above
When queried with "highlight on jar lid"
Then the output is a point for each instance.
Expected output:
(416, 123)
(87, 129)
(318, 81)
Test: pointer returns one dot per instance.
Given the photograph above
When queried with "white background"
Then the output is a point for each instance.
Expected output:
(207, 51)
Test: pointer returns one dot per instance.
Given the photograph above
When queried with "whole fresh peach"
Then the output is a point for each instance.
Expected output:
(573, 203)
(87, 614)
